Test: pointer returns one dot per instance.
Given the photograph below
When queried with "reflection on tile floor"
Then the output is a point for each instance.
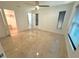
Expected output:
(35, 43)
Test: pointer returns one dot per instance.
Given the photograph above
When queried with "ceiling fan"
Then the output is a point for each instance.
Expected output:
(37, 5)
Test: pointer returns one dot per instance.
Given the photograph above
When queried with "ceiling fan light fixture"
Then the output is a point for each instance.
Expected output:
(37, 7)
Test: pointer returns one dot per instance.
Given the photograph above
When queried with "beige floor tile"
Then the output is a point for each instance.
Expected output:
(34, 44)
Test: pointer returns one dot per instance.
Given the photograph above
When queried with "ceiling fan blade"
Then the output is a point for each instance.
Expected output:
(36, 3)
(30, 4)
(44, 6)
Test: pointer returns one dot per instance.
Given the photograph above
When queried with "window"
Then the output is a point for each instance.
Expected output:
(61, 19)
(74, 30)
(36, 19)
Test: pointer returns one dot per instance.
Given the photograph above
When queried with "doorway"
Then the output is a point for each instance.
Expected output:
(11, 20)
(30, 20)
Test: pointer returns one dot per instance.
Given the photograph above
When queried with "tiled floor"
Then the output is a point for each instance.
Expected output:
(35, 43)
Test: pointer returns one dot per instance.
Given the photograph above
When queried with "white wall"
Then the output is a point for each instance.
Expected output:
(3, 29)
(21, 14)
(71, 52)
(48, 18)
(21, 19)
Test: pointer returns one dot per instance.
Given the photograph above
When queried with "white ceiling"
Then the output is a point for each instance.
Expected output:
(54, 3)
(30, 3)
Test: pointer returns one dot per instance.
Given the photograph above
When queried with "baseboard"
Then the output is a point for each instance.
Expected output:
(5, 36)
(40, 30)
(50, 31)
